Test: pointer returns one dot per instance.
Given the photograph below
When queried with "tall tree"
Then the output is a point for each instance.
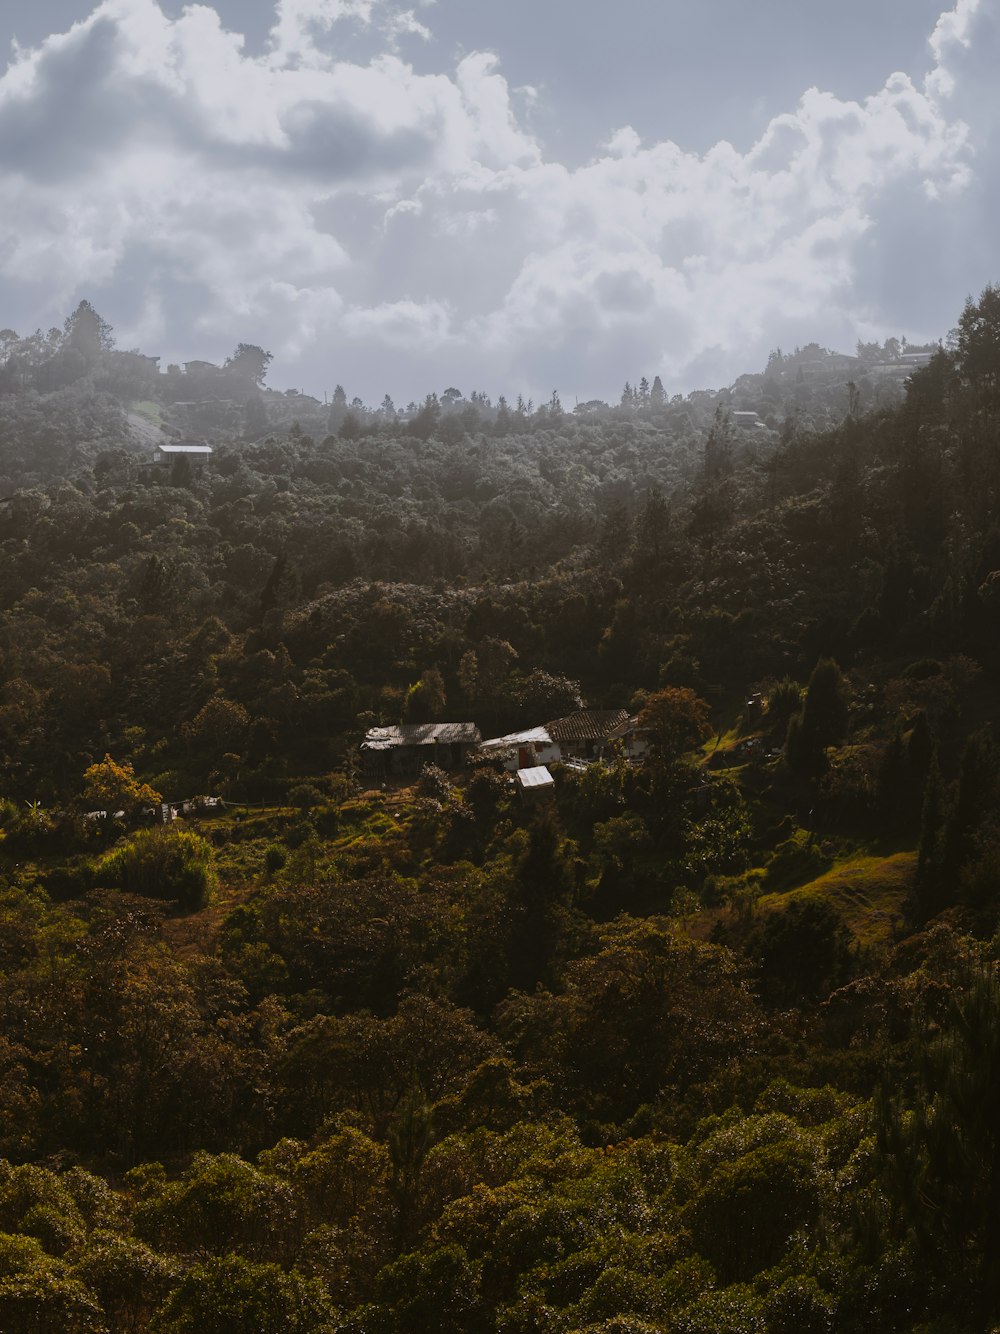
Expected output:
(88, 334)
(250, 362)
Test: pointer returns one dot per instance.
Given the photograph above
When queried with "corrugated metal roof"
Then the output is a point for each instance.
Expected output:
(513, 739)
(422, 734)
(587, 725)
(535, 777)
(184, 449)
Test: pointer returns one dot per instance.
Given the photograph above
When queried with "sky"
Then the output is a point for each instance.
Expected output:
(406, 195)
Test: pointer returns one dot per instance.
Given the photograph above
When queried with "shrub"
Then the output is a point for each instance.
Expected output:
(275, 857)
(434, 783)
(162, 864)
(784, 700)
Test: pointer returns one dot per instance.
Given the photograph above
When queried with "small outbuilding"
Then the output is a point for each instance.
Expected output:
(195, 450)
(535, 782)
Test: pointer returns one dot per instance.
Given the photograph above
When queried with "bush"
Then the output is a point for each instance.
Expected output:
(784, 700)
(275, 857)
(434, 783)
(178, 866)
(793, 864)
(304, 797)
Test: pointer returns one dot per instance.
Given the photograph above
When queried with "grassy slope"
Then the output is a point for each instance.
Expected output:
(868, 891)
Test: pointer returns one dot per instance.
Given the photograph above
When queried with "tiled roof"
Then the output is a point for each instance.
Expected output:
(587, 725)
(624, 729)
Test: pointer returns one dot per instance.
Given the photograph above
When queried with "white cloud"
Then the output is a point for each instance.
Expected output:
(336, 209)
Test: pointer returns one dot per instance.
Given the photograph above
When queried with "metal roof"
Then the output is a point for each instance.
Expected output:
(184, 449)
(421, 734)
(529, 737)
(587, 725)
(535, 777)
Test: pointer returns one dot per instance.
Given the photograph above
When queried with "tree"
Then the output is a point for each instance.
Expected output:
(87, 334)
(350, 427)
(939, 1151)
(652, 529)
(129, 1277)
(424, 424)
(978, 343)
(425, 701)
(804, 951)
(677, 721)
(822, 721)
(650, 1014)
(975, 800)
(111, 786)
(657, 395)
(249, 362)
(255, 421)
(231, 1296)
(220, 725)
(338, 410)
(930, 885)
(271, 592)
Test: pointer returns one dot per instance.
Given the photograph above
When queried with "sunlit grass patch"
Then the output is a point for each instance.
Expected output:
(867, 891)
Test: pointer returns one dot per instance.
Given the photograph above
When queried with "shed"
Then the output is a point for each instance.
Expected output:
(534, 782)
(193, 449)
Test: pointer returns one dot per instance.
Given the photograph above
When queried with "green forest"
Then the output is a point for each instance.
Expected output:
(706, 1043)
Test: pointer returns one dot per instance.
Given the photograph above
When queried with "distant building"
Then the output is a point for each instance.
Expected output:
(192, 449)
(402, 751)
(747, 421)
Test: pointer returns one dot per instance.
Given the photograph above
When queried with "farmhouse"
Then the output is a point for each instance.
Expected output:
(633, 739)
(521, 750)
(585, 735)
(588, 734)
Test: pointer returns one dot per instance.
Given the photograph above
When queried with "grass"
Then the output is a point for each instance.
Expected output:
(150, 410)
(868, 891)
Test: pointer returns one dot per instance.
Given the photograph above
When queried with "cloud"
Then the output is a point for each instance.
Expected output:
(394, 229)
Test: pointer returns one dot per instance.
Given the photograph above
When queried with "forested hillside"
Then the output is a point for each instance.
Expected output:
(706, 1043)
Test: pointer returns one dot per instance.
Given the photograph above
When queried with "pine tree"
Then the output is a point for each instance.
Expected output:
(929, 895)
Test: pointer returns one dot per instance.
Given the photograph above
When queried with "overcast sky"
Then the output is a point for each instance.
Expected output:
(515, 197)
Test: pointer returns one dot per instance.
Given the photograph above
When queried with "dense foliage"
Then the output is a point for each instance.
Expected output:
(706, 1043)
